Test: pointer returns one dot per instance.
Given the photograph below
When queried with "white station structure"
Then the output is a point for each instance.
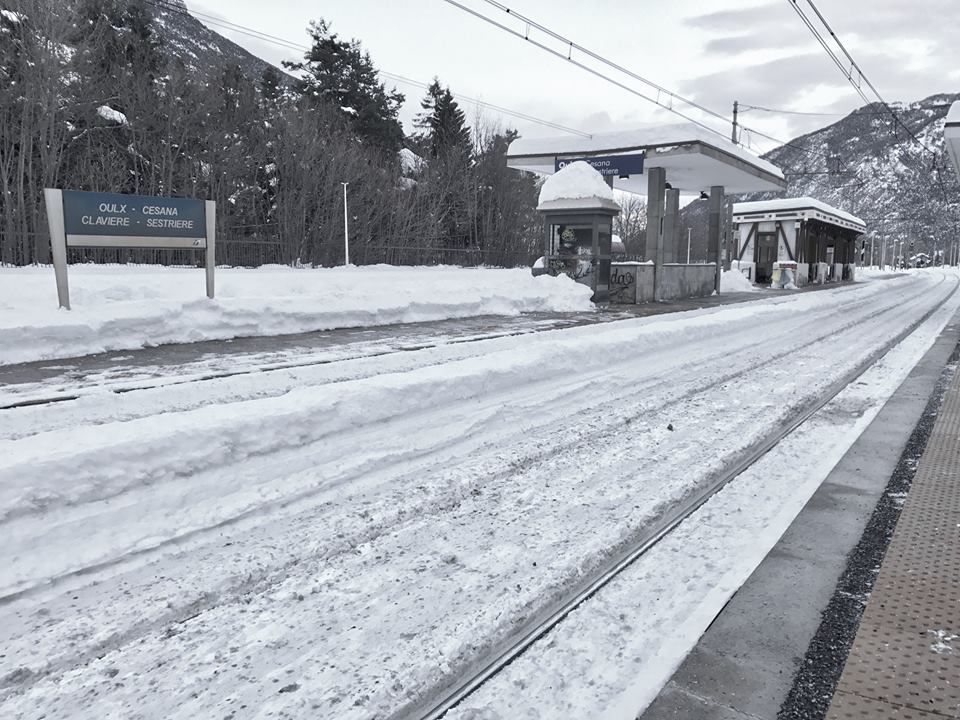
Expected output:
(671, 159)
(951, 133)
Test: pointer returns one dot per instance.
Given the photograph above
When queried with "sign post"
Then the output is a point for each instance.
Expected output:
(88, 219)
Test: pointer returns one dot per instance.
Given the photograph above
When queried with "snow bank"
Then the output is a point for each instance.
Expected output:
(111, 115)
(117, 307)
(574, 182)
(736, 281)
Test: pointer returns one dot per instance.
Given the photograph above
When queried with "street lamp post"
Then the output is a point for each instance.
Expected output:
(346, 227)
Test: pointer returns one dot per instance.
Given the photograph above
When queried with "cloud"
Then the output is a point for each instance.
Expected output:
(749, 18)
(739, 44)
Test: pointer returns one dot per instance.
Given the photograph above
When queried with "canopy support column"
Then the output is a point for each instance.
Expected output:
(715, 236)
(656, 181)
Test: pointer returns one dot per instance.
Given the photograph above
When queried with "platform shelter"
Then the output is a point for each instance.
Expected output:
(814, 241)
(662, 162)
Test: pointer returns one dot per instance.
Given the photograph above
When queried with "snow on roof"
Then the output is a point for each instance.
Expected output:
(669, 146)
(951, 134)
(799, 203)
(575, 182)
(953, 115)
(111, 115)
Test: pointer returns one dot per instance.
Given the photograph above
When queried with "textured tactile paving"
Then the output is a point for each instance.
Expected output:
(905, 661)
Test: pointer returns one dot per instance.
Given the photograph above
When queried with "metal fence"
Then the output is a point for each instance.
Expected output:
(250, 252)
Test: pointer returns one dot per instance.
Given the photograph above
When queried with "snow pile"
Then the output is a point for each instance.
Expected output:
(736, 281)
(410, 162)
(576, 181)
(116, 307)
(866, 273)
(111, 115)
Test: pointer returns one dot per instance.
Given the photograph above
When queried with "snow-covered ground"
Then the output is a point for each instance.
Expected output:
(338, 540)
(120, 307)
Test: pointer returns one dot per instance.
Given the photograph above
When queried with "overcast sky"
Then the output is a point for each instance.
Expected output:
(754, 51)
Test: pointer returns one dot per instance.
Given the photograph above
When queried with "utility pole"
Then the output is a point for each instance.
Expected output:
(346, 227)
(733, 133)
(689, 230)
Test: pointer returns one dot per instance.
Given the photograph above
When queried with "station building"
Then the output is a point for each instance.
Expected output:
(660, 162)
(816, 242)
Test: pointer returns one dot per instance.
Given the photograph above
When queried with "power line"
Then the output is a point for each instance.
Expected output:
(661, 91)
(744, 107)
(291, 45)
(863, 78)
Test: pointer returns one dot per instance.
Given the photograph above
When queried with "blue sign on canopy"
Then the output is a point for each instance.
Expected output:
(91, 214)
(616, 165)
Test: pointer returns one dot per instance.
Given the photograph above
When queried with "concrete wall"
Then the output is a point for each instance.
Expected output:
(684, 281)
(633, 282)
(627, 278)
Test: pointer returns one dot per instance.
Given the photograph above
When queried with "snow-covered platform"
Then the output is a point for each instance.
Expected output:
(905, 660)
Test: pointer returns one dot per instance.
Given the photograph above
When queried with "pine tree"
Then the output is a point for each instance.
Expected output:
(444, 123)
(271, 84)
(342, 75)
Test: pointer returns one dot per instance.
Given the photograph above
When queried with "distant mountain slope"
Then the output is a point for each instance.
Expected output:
(200, 48)
(860, 164)
(891, 181)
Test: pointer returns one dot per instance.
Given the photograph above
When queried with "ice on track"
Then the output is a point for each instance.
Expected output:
(123, 307)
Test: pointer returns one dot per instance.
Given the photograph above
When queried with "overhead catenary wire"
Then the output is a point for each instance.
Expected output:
(567, 55)
(862, 76)
(855, 66)
(299, 47)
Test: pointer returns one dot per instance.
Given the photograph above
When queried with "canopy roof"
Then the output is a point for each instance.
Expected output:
(951, 133)
(694, 159)
(801, 208)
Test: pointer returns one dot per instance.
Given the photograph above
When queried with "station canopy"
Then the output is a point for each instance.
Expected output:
(801, 208)
(951, 133)
(693, 158)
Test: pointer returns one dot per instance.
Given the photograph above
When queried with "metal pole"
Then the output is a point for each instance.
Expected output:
(346, 227)
(733, 133)
(211, 252)
(689, 230)
(53, 199)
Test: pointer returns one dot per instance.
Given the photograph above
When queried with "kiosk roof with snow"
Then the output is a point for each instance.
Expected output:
(576, 187)
(693, 158)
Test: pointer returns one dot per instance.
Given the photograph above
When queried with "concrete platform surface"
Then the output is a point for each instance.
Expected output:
(905, 660)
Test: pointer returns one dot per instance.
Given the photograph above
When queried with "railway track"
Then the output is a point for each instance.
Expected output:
(905, 300)
(298, 499)
(122, 387)
(540, 625)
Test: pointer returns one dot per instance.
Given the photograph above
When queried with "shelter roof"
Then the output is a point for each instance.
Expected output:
(951, 134)
(694, 159)
(801, 208)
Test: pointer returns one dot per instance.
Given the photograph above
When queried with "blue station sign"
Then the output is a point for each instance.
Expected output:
(616, 165)
(92, 218)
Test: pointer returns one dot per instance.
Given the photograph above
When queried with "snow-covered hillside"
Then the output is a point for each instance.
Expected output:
(866, 166)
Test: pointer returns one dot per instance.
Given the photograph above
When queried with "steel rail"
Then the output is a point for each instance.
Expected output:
(555, 614)
(300, 496)
(120, 389)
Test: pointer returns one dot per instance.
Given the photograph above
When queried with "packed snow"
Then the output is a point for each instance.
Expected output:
(576, 181)
(340, 539)
(111, 115)
(121, 307)
(735, 281)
